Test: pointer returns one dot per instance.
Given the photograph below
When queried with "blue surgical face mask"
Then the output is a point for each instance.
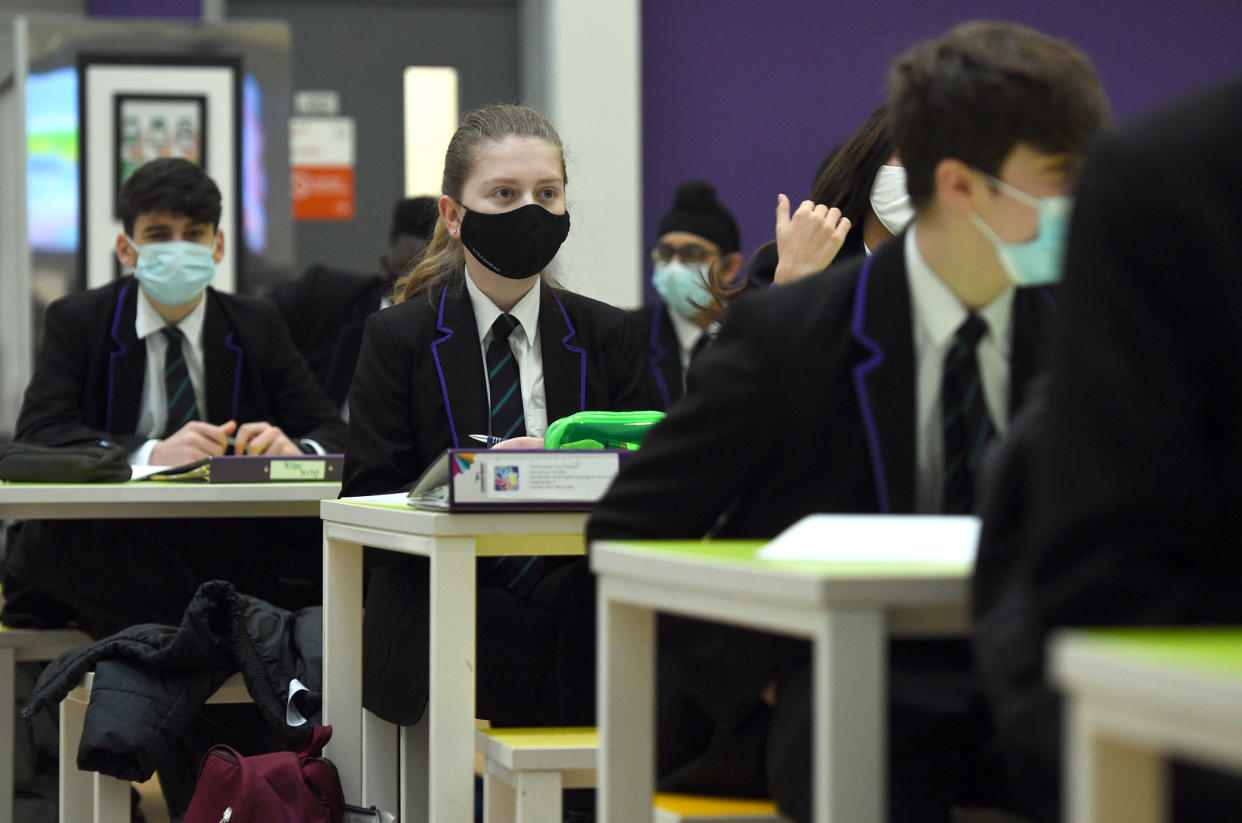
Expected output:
(683, 287)
(1038, 261)
(174, 272)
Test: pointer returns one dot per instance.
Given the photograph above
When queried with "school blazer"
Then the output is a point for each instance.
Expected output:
(325, 310)
(88, 378)
(662, 354)
(804, 403)
(419, 386)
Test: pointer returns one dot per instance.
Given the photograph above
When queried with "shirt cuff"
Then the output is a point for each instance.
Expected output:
(141, 456)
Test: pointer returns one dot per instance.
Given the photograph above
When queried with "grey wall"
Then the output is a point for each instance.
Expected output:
(360, 49)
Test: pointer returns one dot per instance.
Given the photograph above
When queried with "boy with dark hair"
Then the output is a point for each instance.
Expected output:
(175, 371)
(870, 390)
(325, 308)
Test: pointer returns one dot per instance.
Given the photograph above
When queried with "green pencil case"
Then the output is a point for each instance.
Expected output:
(601, 430)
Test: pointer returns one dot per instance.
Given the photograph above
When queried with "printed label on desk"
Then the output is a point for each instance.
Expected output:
(301, 469)
(525, 477)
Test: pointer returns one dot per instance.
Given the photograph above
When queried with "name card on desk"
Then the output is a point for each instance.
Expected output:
(888, 538)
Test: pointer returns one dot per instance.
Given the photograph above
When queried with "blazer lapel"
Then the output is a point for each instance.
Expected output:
(224, 360)
(458, 361)
(127, 364)
(666, 355)
(564, 360)
(884, 379)
(1034, 312)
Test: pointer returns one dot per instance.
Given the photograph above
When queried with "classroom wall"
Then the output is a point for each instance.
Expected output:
(360, 49)
(752, 95)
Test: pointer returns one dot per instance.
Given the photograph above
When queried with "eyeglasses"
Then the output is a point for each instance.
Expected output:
(689, 253)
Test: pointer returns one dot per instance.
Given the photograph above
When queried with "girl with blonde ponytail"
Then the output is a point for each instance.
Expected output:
(477, 342)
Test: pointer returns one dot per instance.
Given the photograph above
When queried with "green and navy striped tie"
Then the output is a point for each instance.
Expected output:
(507, 417)
(967, 425)
(178, 391)
(517, 574)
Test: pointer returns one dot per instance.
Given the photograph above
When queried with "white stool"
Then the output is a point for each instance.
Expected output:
(526, 769)
(107, 798)
(19, 646)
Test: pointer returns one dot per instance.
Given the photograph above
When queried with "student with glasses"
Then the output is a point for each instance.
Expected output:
(695, 270)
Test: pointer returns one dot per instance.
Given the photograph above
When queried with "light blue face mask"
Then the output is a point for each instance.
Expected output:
(683, 287)
(1038, 261)
(174, 272)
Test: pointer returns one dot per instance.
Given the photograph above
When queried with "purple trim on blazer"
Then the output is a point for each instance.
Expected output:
(1048, 296)
(120, 352)
(860, 386)
(435, 354)
(658, 354)
(582, 355)
(230, 343)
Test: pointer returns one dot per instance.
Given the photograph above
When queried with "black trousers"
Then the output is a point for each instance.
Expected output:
(535, 657)
(717, 736)
(116, 573)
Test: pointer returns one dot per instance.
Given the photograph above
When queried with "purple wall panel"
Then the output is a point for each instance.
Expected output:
(751, 95)
(145, 8)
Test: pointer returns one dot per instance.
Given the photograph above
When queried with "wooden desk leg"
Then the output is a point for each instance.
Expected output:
(8, 730)
(381, 779)
(342, 661)
(111, 798)
(450, 743)
(76, 789)
(1107, 781)
(851, 737)
(626, 717)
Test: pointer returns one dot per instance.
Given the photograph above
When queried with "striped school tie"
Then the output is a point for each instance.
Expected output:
(507, 417)
(516, 573)
(967, 425)
(178, 391)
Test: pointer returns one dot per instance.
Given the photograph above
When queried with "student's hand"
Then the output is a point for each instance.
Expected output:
(193, 441)
(263, 438)
(809, 240)
(520, 443)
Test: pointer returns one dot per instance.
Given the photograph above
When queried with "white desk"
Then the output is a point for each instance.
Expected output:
(437, 778)
(79, 501)
(1134, 698)
(146, 498)
(848, 610)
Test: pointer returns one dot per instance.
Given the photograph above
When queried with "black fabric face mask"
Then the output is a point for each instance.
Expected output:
(515, 244)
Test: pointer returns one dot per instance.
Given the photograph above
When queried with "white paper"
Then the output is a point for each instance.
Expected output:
(847, 538)
(139, 472)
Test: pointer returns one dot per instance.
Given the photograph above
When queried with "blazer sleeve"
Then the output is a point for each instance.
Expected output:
(383, 443)
(709, 448)
(627, 372)
(299, 406)
(1138, 481)
(53, 411)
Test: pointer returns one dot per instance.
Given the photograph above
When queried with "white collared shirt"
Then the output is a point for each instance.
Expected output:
(936, 313)
(153, 413)
(524, 341)
(688, 334)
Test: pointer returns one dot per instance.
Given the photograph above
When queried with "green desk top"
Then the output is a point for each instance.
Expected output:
(1205, 650)
(744, 553)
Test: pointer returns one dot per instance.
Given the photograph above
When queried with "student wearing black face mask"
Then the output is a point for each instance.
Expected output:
(479, 341)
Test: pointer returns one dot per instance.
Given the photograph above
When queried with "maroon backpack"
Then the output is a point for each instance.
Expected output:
(281, 787)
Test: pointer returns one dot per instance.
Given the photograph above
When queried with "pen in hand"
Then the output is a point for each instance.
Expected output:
(487, 440)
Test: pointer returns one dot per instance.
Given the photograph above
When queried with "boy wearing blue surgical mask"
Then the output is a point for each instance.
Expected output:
(695, 263)
(174, 371)
(889, 375)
